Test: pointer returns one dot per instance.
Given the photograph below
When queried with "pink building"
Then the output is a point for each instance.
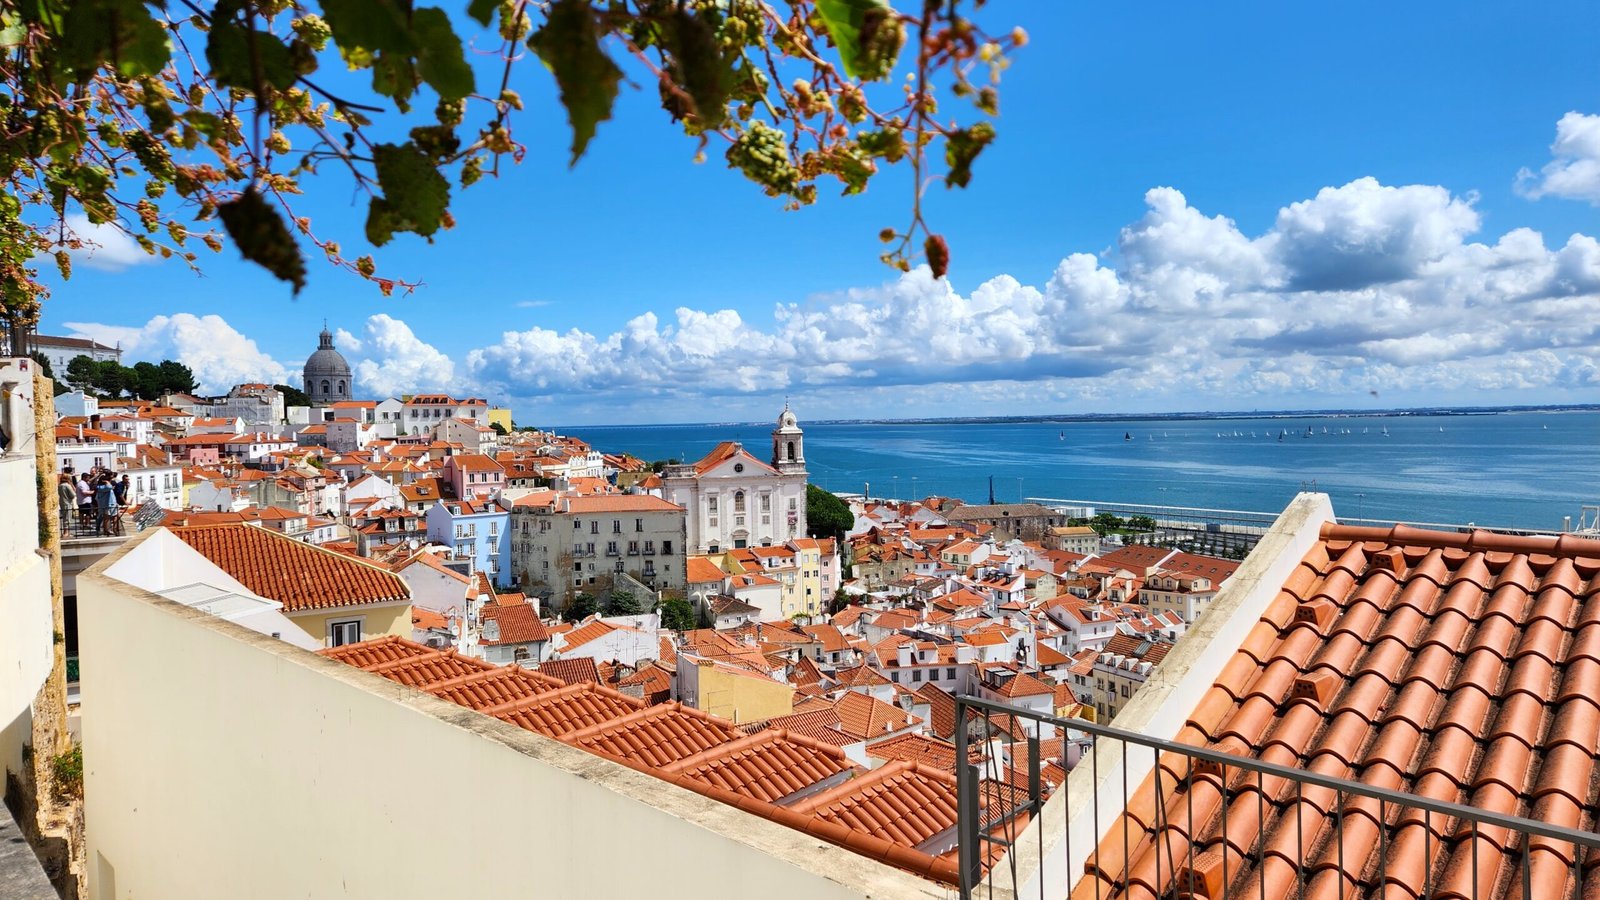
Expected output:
(474, 475)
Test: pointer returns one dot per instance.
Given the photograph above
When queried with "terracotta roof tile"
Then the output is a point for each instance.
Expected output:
(657, 735)
(578, 670)
(1436, 663)
(867, 718)
(517, 623)
(770, 765)
(566, 710)
(301, 576)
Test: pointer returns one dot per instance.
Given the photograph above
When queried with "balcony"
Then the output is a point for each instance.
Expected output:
(1298, 832)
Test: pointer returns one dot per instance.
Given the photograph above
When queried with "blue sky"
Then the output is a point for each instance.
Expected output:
(1342, 214)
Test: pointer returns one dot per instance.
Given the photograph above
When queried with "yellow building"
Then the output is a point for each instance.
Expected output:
(501, 417)
(731, 692)
(336, 599)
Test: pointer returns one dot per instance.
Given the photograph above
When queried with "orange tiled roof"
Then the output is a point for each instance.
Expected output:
(886, 814)
(866, 717)
(577, 670)
(298, 575)
(657, 735)
(770, 765)
(519, 624)
(703, 571)
(1463, 667)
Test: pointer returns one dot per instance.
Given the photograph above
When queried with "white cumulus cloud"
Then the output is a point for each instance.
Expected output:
(103, 247)
(1363, 287)
(396, 361)
(218, 354)
(1574, 169)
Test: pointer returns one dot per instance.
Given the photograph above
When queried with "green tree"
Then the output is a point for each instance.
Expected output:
(81, 372)
(146, 380)
(167, 120)
(499, 429)
(1142, 523)
(622, 603)
(1105, 523)
(111, 379)
(677, 614)
(826, 515)
(176, 378)
(292, 396)
(583, 606)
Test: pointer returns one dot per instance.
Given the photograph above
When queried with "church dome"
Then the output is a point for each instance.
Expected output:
(327, 374)
(326, 360)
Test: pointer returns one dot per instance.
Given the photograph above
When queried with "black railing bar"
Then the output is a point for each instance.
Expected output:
(1227, 883)
(1306, 776)
(1188, 790)
(1127, 849)
(1160, 816)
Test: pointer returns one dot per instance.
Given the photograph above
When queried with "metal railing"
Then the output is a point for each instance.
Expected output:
(76, 523)
(1291, 827)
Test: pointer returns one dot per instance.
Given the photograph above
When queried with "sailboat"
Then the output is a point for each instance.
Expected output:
(1385, 431)
(1283, 434)
(1063, 436)
(1127, 436)
(1309, 432)
(1441, 429)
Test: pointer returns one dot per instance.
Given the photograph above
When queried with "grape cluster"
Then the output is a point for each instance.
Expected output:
(762, 154)
(881, 38)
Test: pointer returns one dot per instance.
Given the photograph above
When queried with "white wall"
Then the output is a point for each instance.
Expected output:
(200, 789)
(26, 648)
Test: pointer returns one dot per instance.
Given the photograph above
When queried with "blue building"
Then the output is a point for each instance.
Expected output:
(478, 533)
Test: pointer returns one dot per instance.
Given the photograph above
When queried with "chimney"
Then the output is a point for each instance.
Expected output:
(903, 654)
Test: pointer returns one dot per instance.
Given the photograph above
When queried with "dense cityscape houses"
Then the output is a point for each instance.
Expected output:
(684, 626)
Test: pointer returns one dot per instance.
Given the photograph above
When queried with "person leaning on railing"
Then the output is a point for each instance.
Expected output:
(67, 496)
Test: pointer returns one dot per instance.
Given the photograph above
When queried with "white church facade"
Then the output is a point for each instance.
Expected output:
(732, 500)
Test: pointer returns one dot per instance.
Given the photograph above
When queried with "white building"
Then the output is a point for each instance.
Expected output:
(61, 351)
(733, 500)
(153, 481)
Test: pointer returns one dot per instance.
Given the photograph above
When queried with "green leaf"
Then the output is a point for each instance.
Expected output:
(845, 20)
(259, 233)
(440, 60)
(707, 75)
(961, 148)
(483, 10)
(121, 33)
(569, 44)
(413, 190)
(233, 61)
(370, 24)
(381, 222)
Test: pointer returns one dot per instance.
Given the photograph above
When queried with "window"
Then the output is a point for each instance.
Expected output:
(347, 631)
(649, 547)
(738, 501)
(616, 526)
(577, 524)
(916, 675)
(638, 524)
(633, 548)
(738, 467)
(594, 527)
(611, 548)
(666, 547)
(894, 677)
(619, 565)
(791, 504)
(950, 674)
(766, 503)
(577, 567)
(711, 505)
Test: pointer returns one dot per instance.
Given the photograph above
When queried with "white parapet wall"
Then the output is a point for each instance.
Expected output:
(26, 635)
(1070, 821)
(222, 763)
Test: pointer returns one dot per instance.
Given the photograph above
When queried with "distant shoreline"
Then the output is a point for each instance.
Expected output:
(1079, 418)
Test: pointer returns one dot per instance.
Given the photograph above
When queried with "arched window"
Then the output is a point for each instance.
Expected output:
(791, 451)
(738, 501)
(325, 385)
(341, 387)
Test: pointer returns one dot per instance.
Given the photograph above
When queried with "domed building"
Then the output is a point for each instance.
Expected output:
(327, 375)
